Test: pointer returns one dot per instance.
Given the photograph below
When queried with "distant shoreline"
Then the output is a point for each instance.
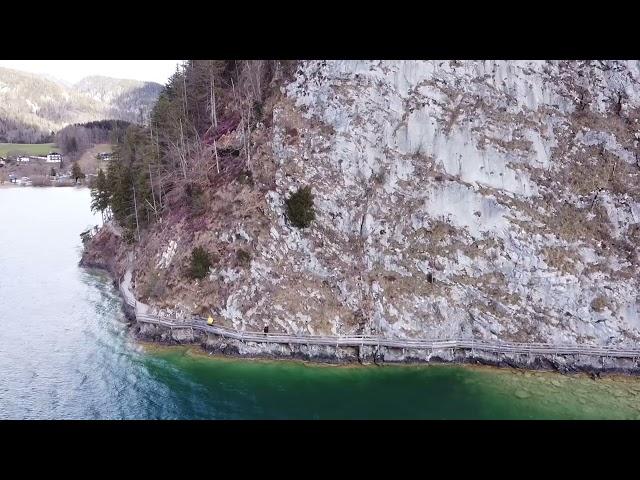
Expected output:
(13, 185)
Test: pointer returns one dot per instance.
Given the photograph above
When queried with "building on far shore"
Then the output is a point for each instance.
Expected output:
(23, 159)
(54, 157)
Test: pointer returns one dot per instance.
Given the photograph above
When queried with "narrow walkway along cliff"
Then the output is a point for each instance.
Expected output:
(565, 358)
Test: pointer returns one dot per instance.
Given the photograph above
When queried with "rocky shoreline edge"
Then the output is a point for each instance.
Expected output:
(367, 355)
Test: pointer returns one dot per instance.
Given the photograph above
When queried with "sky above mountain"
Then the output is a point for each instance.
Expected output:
(72, 71)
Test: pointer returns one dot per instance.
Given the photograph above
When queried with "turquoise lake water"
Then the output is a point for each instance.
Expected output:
(65, 353)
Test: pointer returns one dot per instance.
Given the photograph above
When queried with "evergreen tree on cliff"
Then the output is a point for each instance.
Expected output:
(100, 195)
(128, 180)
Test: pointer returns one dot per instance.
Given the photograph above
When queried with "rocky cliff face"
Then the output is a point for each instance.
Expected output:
(496, 200)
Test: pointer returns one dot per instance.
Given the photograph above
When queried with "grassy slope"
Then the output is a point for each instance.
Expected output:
(40, 149)
(88, 162)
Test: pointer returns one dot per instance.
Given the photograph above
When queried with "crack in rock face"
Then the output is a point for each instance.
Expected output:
(491, 199)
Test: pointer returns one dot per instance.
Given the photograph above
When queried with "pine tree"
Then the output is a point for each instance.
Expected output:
(71, 145)
(100, 194)
(121, 195)
(128, 180)
(76, 172)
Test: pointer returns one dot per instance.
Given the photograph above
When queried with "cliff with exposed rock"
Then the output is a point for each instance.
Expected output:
(497, 200)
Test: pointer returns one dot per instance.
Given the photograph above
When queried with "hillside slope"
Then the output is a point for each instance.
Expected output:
(32, 105)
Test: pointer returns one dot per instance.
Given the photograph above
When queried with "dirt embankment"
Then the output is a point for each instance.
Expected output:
(89, 162)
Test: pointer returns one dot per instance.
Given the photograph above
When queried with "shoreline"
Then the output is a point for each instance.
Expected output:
(253, 352)
(592, 365)
(196, 351)
(13, 185)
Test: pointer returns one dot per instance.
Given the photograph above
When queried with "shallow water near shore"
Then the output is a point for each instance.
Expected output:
(66, 353)
(286, 389)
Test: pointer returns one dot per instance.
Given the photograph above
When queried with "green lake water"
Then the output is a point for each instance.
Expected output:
(66, 353)
(280, 389)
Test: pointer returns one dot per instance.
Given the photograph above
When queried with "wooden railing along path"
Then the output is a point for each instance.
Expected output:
(200, 324)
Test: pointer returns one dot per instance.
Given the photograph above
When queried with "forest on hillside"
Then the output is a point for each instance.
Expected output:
(175, 161)
(75, 139)
(15, 131)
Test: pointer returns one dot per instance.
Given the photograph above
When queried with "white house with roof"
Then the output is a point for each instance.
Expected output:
(23, 159)
(54, 157)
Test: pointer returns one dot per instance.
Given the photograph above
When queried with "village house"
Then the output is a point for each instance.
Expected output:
(23, 159)
(54, 157)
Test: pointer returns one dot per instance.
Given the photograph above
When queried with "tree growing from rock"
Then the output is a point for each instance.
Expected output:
(200, 263)
(300, 209)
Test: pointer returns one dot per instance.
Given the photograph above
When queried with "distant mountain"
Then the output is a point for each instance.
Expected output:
(57, 80)
(128, 99)
(32, 105)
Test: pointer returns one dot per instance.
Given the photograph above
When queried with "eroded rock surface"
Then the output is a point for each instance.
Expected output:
(496, 200)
